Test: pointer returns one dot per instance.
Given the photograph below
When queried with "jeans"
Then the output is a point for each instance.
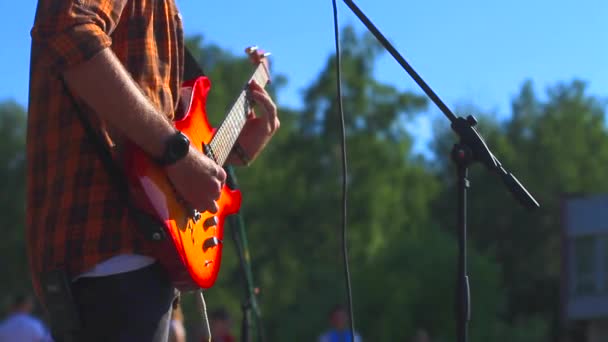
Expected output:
(132, 306)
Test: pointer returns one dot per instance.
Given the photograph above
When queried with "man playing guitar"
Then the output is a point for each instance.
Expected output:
(120, 62)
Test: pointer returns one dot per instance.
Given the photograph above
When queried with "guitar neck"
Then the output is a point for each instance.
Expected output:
(227, 134)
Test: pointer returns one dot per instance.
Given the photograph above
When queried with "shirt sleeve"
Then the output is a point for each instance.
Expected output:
(69, 32)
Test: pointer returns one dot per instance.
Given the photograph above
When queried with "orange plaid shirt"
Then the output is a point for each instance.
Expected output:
(76, 217)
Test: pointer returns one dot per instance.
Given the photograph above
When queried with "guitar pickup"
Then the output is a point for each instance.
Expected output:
(210, 243)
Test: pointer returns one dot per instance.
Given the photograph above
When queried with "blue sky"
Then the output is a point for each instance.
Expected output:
(469, 51)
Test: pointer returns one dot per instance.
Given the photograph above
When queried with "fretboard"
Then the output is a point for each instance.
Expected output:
(226, 135)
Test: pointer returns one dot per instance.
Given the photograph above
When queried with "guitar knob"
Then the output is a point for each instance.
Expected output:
(210, 222)
(210, 243)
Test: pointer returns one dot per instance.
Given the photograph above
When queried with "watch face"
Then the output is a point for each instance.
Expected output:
(179, 146)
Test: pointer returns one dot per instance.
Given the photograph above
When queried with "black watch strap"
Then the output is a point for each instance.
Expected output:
(176, 148)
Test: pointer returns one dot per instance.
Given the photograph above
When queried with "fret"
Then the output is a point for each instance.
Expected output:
(227, 134)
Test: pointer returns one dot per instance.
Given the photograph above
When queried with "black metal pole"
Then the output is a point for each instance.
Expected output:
(462, 157)
(246, 323)
(249, 304)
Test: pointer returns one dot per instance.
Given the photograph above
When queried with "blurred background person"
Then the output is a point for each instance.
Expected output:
(340, 329)
(422, 336)
(20, 325)
(220, 324)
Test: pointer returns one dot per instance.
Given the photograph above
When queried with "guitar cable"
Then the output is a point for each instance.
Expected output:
(344, 172)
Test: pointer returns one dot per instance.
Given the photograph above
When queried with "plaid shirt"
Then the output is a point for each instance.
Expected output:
(76, 217)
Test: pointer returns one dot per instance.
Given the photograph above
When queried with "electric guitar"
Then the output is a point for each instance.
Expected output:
(194, 256)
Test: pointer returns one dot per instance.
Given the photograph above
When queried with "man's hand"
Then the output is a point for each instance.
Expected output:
(258, 130)
(198, 180)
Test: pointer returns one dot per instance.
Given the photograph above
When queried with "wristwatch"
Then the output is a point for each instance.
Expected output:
(176, 148)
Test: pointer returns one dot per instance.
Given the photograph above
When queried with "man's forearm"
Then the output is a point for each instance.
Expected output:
(103, 83)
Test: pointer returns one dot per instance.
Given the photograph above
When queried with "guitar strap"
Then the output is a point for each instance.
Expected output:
(192, 69)
(151, 227)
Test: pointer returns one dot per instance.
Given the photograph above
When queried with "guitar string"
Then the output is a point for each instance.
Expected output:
(235, 121)
(223, 134)
(234, 125)
(220, 142)
(227, 133)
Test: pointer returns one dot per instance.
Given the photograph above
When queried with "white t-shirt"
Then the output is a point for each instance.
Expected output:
(118, 264)
(23, 328)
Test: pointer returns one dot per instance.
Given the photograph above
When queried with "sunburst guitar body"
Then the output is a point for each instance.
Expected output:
(194, 253)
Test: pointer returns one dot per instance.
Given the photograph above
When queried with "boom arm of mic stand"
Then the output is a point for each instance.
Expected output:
(462, 127)
(469, 136)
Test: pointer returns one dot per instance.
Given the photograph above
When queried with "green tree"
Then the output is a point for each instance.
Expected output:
(402, 264)
(292, 205)
(401, 206)
(14, 265)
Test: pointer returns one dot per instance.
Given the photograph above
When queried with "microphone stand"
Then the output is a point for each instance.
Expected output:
(250, 303)
(470, 148)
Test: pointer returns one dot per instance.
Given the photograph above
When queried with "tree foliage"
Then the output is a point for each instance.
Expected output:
(556, 147)
(401, 206)
(292, 208)
(13, 261)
